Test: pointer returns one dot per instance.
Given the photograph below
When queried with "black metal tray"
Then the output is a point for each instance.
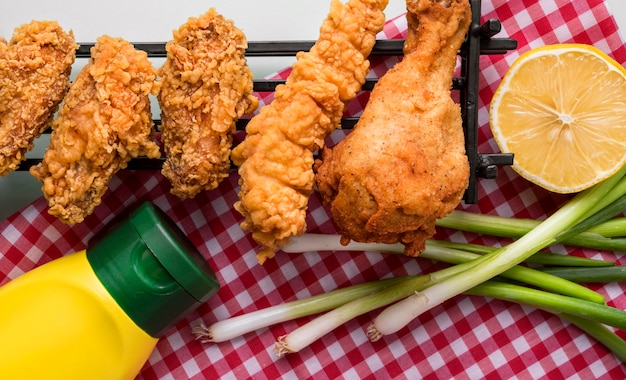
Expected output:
(480, 40)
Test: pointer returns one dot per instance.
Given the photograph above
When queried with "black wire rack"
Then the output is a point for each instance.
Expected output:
(480, 41)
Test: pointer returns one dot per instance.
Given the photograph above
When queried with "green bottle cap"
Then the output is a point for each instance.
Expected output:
(151, 269)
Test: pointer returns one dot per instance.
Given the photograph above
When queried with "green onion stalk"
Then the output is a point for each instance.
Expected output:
(542, 258)
(599, 232)
(455, 254)
(237, 326)
(615, 273)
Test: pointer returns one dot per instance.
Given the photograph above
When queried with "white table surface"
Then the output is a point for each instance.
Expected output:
(143, 21)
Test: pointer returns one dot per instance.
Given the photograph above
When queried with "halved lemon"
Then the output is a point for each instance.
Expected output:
(561, 110)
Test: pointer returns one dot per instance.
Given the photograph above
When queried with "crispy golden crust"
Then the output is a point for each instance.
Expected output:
(34, 76)
(276, 158)
(104, 122)
(206, 87)
(404, 164)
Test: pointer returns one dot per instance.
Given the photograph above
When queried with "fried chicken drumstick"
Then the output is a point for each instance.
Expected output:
(206, 87)
(276, 158)
(34, 76)
(104, 122)
(404, 164)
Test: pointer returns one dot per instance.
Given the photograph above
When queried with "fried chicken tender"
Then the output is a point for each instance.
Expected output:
(206, 86)
(35, 71)
(404, 164)
(104, 122)
(276, 158)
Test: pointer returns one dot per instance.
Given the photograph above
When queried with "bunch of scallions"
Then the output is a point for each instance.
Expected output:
(591, 219)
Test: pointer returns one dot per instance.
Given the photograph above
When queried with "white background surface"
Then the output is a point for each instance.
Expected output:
(151, 21)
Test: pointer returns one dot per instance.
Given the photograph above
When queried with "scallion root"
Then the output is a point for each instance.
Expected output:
(202, 333)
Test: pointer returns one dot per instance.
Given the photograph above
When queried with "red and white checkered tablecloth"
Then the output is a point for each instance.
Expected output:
(465, 338)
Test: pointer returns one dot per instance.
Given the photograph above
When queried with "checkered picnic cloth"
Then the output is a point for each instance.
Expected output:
(468, 337)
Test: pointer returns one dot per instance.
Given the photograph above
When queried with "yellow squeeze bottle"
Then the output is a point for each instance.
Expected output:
(98, 313)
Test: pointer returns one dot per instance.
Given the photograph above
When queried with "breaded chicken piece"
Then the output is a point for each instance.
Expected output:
(276, 158)
(206, 86)
(35, 71)
(404, 164)
(104, 122)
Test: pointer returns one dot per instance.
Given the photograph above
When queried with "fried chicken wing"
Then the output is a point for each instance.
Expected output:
(104, 122)
(206, 87)
(35, 71)
(276, 158)
(404, 164)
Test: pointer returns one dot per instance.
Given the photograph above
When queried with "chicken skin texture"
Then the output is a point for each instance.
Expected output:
(276, 158)
(35, 71)
(206, 86)
(103, 123)
(404, 164)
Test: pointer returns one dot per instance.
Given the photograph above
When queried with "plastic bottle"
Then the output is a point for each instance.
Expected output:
(98, 313)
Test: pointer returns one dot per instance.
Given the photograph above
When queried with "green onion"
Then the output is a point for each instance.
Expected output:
(487, 224)
(304, 335)
(604, 214)
(589, 275)
(612, 197)
(542, 258)
(602, 236)
(615, 227)
(242, 324)
(553, 303)
(519, 273)
(486, 267)
(441, 251)
(324, 242)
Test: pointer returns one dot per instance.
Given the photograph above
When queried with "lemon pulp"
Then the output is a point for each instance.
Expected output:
(561, 109)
